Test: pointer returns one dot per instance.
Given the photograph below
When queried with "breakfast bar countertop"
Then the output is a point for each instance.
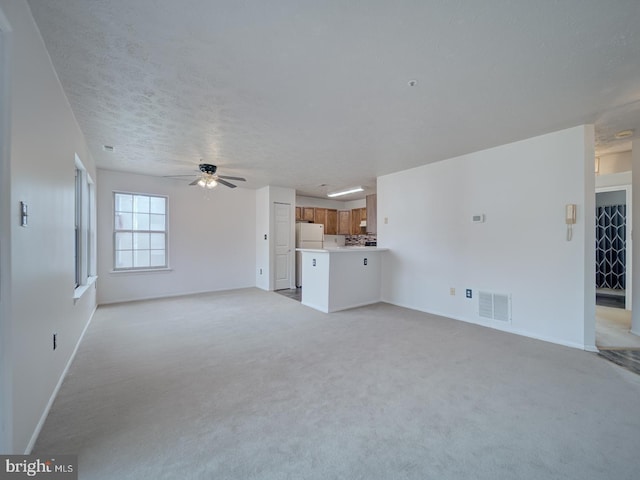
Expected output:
(349, 249)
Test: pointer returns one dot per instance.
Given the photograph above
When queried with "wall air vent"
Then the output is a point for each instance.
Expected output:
(495, 306)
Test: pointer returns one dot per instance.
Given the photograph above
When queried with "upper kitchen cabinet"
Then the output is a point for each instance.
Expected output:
(331, 227)
(358, 215)
(320, 216)
(372, 213)
(329, 218)
(344, 222)
(308, 214)
(298, 214)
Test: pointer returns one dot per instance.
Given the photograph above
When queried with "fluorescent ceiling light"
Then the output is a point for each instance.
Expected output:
(345, 192)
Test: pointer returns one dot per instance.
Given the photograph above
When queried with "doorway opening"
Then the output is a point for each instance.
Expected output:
(611, 248)
(613, 269)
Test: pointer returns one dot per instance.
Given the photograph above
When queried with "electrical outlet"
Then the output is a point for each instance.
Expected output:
(452, 291)
(55, 340)
(469, 295)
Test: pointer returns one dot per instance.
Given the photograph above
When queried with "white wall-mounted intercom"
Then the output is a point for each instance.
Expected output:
(570, 219)
(571, 213)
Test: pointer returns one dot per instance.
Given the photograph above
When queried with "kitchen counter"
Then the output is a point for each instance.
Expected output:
(338, 278)
(349, 249)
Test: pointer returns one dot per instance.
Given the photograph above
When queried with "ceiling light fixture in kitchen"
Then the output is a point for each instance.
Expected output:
(624, 134)
(345, 192)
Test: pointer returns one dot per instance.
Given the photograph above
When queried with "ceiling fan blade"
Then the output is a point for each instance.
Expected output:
(195, 182)
(240, 179)
(223, 182)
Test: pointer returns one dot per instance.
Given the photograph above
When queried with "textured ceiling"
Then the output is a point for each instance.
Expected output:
(303, 93)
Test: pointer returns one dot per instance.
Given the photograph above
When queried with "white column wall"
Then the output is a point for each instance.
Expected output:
(6, 357)
(521, 248)
(44, 140)
(263, 214)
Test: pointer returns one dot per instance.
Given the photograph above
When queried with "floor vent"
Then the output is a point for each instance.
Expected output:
(495, 306)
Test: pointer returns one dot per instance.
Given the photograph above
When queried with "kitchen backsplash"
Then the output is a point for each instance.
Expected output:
(359, 239)
(334, 241)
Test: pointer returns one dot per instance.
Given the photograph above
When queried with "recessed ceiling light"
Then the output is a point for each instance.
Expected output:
(624, 134)
(413, 83)
(107, 148)
(345, 192)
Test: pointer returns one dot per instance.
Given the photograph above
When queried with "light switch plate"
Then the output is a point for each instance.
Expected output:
(24, 214)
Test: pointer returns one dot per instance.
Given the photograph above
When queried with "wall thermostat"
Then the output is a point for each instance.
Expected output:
(478, 218)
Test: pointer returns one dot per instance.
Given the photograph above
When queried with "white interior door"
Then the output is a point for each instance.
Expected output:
(282, 245)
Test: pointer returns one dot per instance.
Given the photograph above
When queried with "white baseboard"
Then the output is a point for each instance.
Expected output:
(173, 295)
(44, 415)
(506, 328)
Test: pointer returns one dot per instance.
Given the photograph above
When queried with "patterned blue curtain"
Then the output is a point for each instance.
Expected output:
(611, 231)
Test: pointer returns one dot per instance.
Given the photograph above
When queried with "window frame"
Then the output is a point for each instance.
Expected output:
(78, 211)
(115, 231)
(85, 229)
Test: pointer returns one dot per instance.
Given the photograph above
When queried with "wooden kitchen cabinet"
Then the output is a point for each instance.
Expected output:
(298, 214)
(344, 222)
(331, 227)
(320, 216)
(308, 214)
(329, 218)
(357, 216)
(372, 213)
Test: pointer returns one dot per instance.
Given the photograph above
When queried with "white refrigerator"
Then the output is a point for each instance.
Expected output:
(308, 235)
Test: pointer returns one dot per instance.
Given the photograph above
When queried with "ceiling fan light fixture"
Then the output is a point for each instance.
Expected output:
(345, 192)
(211, 183)
(202, 182)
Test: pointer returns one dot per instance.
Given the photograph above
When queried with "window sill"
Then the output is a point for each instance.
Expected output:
(142, 270)
(80, 290)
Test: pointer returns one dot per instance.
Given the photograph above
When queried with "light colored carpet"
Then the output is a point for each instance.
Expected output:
(252, 385)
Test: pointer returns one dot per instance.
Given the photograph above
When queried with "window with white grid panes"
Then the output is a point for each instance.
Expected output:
(140, 231)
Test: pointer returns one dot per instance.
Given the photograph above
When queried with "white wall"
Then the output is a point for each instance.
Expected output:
(614, 163)
(44, 141)
(361, 203)
(613, 179)
(521, 248)
(6, 434)
(319, 202)
(211, 236)
(263, 268)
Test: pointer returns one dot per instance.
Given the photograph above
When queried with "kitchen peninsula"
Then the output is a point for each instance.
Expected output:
(339, 278)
